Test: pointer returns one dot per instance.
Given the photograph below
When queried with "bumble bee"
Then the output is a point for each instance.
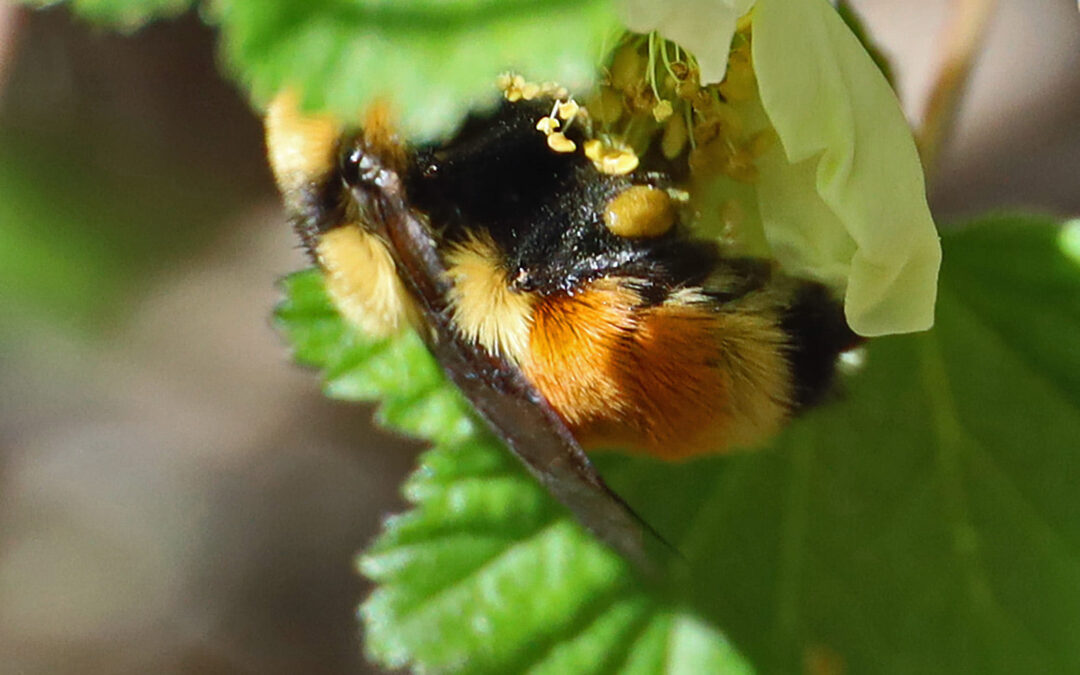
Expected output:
(572, 304)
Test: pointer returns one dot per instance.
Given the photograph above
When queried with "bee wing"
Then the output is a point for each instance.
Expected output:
(497, 389)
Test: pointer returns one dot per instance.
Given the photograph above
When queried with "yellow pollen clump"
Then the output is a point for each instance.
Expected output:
(560, 143)
(609, 160)
(640, 211)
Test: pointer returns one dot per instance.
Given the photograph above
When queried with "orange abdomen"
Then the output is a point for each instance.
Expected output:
(673, 380)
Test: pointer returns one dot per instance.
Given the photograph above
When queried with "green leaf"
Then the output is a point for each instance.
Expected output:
(433, 60)
(926, 522)
(488, 574)
(123, 14)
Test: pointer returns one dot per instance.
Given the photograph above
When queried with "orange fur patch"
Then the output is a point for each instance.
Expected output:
(675, 380)
(573, 346)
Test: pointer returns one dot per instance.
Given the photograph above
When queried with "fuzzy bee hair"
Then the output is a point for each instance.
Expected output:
(640, 335)
(572, 306)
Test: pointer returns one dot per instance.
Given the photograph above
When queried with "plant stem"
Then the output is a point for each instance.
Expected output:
(962, 39)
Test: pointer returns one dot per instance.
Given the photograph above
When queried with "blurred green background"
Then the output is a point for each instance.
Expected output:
(175, 496)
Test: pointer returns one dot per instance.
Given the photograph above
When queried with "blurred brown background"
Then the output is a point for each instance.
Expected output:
(175, 497)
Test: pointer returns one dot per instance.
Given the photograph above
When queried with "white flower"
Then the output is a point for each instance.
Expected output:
(841, 198)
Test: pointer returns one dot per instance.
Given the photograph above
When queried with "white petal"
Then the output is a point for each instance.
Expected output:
(852, 200)
(703, 27)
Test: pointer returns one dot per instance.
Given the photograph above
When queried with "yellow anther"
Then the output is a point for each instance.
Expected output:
(739, 83)
(627, 68)
(675, 136)
(613, 161)
(515, 88)
(687, 89)
(560, 143)
(547, 125)
(607, 106)
(553, 90)
(705, 103)
(730, 119)
(568, 110)
(662, 110)
(593, 149)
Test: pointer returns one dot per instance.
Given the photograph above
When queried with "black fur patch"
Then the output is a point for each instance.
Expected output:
(818, 334)
(544, 209)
